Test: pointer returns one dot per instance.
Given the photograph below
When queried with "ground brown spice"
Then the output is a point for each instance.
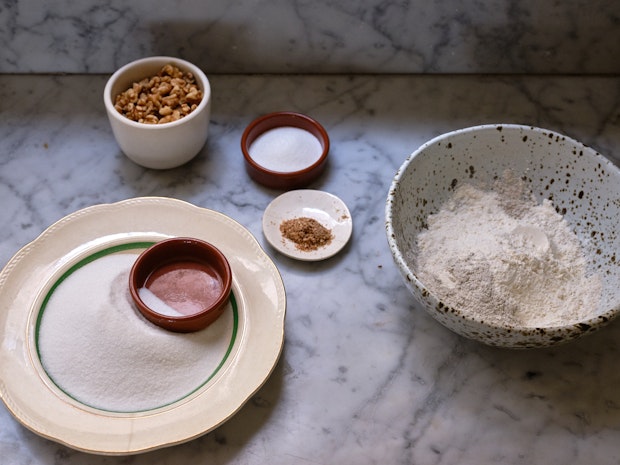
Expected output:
(307, 233)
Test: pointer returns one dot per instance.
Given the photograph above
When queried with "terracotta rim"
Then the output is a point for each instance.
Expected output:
(281, 119)
(173, 250)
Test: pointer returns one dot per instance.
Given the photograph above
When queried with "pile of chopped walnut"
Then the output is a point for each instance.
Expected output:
(166, 97)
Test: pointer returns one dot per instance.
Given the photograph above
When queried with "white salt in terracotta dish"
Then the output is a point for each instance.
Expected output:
(583, 186)
(246, 356)
(285, 150)
(323, 207)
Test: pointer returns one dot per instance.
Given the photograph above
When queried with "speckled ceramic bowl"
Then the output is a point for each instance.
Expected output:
(583, 185)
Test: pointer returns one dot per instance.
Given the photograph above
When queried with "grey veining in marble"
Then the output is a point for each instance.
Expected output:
(324, 36)
(366, 377)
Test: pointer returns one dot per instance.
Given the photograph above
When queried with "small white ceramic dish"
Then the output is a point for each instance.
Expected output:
(158, 146)
(323, 207)
(84, 237)
(583, 186)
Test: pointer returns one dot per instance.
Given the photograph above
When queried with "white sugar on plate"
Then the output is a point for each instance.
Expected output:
(286, 149)
(99, 349)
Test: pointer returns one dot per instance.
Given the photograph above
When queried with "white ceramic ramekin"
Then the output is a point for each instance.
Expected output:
(158, 146)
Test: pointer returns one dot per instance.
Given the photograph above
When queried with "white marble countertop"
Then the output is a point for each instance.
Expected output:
(365, 376)
(322, 36)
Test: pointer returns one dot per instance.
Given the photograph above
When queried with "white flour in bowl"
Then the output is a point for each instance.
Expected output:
(501, 257)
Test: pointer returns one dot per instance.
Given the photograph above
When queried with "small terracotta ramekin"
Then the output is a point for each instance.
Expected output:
(284, 179)
(172, 270)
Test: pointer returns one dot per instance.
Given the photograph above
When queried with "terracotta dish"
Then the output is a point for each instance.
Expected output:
(284, 179)
(181, 284)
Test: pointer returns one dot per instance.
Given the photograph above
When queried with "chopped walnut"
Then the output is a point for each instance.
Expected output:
(166, 97)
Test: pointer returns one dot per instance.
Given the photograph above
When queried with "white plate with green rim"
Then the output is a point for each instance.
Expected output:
(248, 348)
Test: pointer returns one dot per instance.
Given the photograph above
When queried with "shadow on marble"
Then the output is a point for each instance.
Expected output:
(221, 45)
(576, 384)
(251, 418)
(504, 38)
